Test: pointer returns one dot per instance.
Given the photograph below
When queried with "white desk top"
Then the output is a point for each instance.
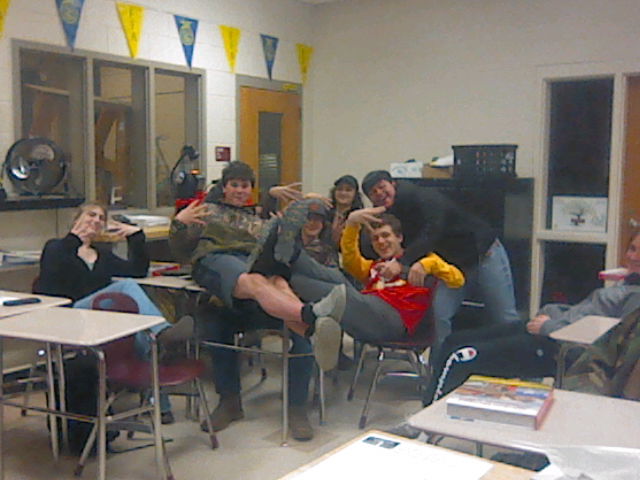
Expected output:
(46, 302)
(378, 455)
(586, 330)
(574, 419)
(74, 326)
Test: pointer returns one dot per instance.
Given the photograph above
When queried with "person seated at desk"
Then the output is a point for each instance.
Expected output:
(217, 238)
(527, 351)
(75, 268)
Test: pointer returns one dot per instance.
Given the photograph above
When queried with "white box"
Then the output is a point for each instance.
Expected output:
(406, 170)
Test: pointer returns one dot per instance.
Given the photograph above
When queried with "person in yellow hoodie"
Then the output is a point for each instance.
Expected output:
(397, 302)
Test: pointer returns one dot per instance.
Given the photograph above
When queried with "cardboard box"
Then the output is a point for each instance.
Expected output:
(437, 172)
(406, 170)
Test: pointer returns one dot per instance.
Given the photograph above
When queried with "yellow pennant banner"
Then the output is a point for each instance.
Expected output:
(231, 38)
(304, 59)
(131, 17)
(4, 8)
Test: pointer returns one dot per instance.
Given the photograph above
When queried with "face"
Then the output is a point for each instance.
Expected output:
(632, 256)
(383, 194)
(386, 243)
(345, 194)
(237, 192)
(94, 218)
(314, 226)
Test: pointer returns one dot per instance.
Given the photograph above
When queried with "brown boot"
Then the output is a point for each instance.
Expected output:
(299, 423)
(229, 409)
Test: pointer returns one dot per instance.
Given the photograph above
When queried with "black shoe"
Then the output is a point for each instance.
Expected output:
(299, 424)
(166, 418)
(229, 410)
(181, 331)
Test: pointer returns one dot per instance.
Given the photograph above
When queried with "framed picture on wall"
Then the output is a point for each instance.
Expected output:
(579, 214)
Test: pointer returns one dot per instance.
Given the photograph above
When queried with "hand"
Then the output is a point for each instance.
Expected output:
(417, 274)
(535, 324)
(193, 213)
(120, 229)
(364, 216)
(389, 269)
(84, 231)
(287, 193)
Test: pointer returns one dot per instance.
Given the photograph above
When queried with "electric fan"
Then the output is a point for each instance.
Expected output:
(35, 166)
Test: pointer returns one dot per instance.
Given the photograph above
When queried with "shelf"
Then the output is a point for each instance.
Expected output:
(43, 202)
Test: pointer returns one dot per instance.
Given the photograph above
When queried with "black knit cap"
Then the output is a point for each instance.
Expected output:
(347, 180)
(374, 177)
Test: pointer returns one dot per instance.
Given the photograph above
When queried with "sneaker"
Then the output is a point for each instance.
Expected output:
(333, 304)
(299, 424)
(229, 410)
(326, 343)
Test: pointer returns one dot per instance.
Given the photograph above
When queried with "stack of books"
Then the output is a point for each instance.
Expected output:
(501, 400)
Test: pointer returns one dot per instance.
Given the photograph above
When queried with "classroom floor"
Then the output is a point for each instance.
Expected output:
(249, 449)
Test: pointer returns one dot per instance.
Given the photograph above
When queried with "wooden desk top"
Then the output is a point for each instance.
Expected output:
(574, 419)
(498, 471)
(45, 302)
(75, 326)
(586, 330)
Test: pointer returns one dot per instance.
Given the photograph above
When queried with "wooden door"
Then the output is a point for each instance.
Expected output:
(285, 108)
(630, 207)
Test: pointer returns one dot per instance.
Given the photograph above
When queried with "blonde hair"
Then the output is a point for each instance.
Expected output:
(84, 207)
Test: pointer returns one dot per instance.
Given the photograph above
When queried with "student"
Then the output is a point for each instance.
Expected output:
(218, 237)
(75, 268)
(509, 350)
(431, 222)
(345, 197)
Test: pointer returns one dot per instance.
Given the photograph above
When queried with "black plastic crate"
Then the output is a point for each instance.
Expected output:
(484, 160)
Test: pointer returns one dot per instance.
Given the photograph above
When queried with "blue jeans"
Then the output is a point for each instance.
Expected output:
(220, 325)
(145, 307)
(492, 277)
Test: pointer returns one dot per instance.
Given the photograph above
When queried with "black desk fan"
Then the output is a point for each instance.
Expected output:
(35, 166)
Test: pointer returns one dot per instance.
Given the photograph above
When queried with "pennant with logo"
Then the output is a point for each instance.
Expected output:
(231, 38)
(131, 17)
(70, 12)
(304, 59)
(187, 28)
(4, 8)
(269, 48)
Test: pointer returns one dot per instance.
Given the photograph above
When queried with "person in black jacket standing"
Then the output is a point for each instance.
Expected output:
(432, 223)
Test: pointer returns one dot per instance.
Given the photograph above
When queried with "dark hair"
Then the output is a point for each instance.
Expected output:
(238, 170)
(357, 203)
(391, 220)
(374, 177)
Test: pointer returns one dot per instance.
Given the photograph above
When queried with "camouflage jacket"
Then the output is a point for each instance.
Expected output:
(228, 229)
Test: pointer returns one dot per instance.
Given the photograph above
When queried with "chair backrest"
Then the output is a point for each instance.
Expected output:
(121, 350)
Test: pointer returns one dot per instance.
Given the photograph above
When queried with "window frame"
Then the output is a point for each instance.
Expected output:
(83, 144)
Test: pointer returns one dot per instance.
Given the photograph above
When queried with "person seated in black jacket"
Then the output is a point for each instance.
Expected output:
(76, 268)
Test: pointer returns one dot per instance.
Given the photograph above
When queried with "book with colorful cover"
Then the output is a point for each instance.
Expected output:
(501, 400)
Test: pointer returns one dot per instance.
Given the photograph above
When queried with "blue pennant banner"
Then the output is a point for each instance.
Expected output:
(269, 47)
(187, 28)
(70, 12)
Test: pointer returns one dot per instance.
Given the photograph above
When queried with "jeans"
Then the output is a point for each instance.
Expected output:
(145, 307)
(492, 277)
(220, 325)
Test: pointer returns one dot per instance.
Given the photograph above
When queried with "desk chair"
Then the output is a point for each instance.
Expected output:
(126, 371)
(239, 346)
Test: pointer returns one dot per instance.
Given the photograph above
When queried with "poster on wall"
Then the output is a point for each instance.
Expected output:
(304, 59)
(4, 8)
(70, 12)
(231, 40)
(579, 214)
(187, 29)
(269, 48)
(131, 18)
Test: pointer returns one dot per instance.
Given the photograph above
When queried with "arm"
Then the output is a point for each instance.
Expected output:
(434, 265)
(57, 265)
(352, 260)
(137, 262)
(185, 230)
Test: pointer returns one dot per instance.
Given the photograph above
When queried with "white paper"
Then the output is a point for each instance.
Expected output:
(4, 299)
(377, 457)
(591, 463)
(446, 161)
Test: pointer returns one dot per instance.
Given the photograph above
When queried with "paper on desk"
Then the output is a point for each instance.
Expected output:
(591, 463)
(377, 457)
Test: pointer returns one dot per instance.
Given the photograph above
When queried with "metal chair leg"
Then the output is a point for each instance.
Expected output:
(203, 399)
(285, 386)
(321, 395)
(372, 389)
(356, 374)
